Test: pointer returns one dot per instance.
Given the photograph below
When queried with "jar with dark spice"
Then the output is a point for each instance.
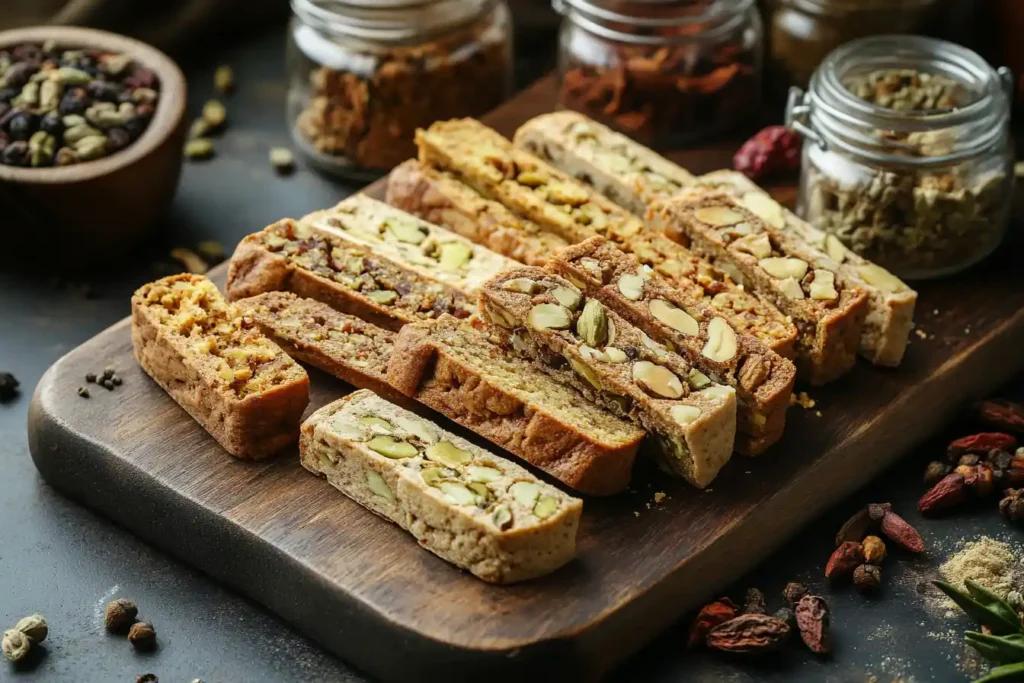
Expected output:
(802, 32)
(365, 75)
(662, 72)
(907, 156)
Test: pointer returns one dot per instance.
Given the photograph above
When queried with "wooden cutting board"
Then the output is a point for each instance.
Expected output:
(363, 588)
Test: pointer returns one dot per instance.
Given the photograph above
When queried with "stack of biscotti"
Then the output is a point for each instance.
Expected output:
(441, 198)
(236, 383)
(763, 379)
(798, 279)
(891, 302)
(582, 343)
(452, 367)
(488, 164)
(468, 506)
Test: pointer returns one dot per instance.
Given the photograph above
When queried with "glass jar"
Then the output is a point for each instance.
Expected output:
(907, 156)
(662, 71)
(365, 74)
(802, 32)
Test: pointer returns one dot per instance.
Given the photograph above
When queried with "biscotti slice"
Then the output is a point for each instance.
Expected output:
(891, 302)
(312, 332)
(621, 169)
(236, 383)
(616, 365)
(763, 380)
(441, 198)
(424, 248)
(829, 317)
(294, 257)
(464, 504)
(455, 369)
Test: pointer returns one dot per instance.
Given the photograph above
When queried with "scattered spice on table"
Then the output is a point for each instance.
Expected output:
(142, 636)
(987, 561)
(224, 79)
(214, 114)
(8, 387)
(119, 616)
(147, 678)
(282, 159)
(83, 392)
(976, 466)
(199, 149)
(18, 641)
(1012, 505)
(62, 106)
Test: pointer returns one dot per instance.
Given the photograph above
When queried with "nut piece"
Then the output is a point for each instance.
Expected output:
(835, 249)
(34, 627)
(697, 379)
(874, 550)
(592, 325)
(758, 245)
(378, 486)
(142, 636)
(391, 447)
(684, 415)
(523, 285)
(823, 286)
(566, 296)
(525, 493)
(502, 517)
(615, 355)
(783, 267)
(447, 453)
(791, 288)
(673, 316)
(657, 380)
(15, 645)
(586, 372)
(631, 286)
(765, 208)
(454, 255)
(718, 216)
(867, 578)
(545, 507)
(457, 493)
(120, 615)
(881, 278)
(549, 317)
(721, 346)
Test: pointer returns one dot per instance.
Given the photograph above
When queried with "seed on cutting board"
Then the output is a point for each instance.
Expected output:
(83, 392)
(224, 79)
(142, 636)
(34, 626)
(199, 149)
(120, 615)
(8, 387)
(282, 159)
(214, 113)
(90, 377)
(15, 645)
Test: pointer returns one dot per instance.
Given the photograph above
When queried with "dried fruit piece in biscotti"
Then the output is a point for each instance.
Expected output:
(466, 505)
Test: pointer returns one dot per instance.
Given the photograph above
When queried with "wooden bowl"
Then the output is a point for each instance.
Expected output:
(92, 212)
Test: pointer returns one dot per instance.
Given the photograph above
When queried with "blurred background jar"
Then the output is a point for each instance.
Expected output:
(802, 32)
(907, 156)
(662, 72)
(365, 74)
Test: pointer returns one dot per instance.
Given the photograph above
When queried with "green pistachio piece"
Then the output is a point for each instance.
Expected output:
(449, 454)
(378, 486)
(454, 255)
(525, 493)
(502, 517)
(483, 474)
(404, 231)
(382, 297)
(390, 447)
(457, 493)
(376, 422)
(545, 507)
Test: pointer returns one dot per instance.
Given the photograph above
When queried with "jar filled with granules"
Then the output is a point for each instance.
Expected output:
(802, 32)
(661, 71)
(907, 156)
(365, 74)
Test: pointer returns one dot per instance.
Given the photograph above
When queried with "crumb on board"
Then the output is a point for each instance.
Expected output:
(801, 399)
(635, 513)
(921, 334)
(659, 497)
(817, 413)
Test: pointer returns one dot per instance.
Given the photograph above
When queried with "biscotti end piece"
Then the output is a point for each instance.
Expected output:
(443, 199)
(293, 256)
(891, 302)
(762, 378)
(312, 332)
(828, 316)
(464, 504)
(236, 383)
(621, 169)
(454, 368)
(582, 343)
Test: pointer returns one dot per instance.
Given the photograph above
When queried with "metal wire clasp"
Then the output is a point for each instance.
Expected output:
(798, 112)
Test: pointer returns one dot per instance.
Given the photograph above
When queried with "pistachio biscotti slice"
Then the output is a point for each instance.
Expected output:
(429, 250)
(621, 169)
(454, 368)
(828, 315)
(462, 503)
(236, 383)
(443, 199)
(763, 379)
(611, 362)
(341, 345)
(295, 257)
(891, 302)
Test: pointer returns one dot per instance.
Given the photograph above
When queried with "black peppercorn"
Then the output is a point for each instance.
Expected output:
(116, 381)
(107, 384)
(104, 91)
(142, 636)
(120, 615)
(22, 125)
(108, 373)
(53, 124)
(15, 154)
(74, 101)
(117, 139)
(18, 74)
(8, 387)
(90, 377)
(83, 392)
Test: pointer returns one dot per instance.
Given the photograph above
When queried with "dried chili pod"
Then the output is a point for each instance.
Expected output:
(1001, 414)
(710, 616)
(854, 528)
(749, 634)
(900, 532)
(812, 618)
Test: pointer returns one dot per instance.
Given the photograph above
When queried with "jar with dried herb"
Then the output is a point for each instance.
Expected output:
(363, 76)
(802, 32)
(664, 72)
(907, 156)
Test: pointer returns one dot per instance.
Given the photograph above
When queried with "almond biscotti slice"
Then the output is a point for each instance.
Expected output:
(295, 257)
(429, 250)
(621, 169)
(763, 380)
(616, 365)
(454, 368)
(891, 302)
(341, 345)
(828, 316)
(464, 504)
(237, 384)
(443, 199)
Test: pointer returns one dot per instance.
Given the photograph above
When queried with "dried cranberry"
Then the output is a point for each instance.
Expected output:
(774, 149)
(141, 78)
(74, 101)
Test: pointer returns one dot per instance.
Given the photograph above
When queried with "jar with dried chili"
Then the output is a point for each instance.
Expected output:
(662, 71)
(365, 74)
(907, 156)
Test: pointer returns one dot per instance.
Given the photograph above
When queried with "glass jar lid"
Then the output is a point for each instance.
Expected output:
(831, 115)
(852, 7)
(655, 22)
(387, 21)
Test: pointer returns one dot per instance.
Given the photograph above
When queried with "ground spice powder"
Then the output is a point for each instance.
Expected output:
(991, 563)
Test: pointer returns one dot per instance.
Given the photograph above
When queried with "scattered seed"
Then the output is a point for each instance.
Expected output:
(83, 392)
(147, 678)
(108, 372)
(142, 636)
(199, 149)
(199, 129)
(90, 377)
(192, 262)
(120, 615)
(107, 384)
(16, 645)
(214, 113)
(282, 159)
(116, 381)
(8, 387)
(224, 79)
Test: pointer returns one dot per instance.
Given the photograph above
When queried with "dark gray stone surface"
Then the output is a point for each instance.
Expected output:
(66, 562)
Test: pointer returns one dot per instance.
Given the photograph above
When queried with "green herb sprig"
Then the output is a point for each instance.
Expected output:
(1004, 648)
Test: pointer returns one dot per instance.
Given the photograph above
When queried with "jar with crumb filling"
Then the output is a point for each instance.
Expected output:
(907, 155)
(365, 74)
